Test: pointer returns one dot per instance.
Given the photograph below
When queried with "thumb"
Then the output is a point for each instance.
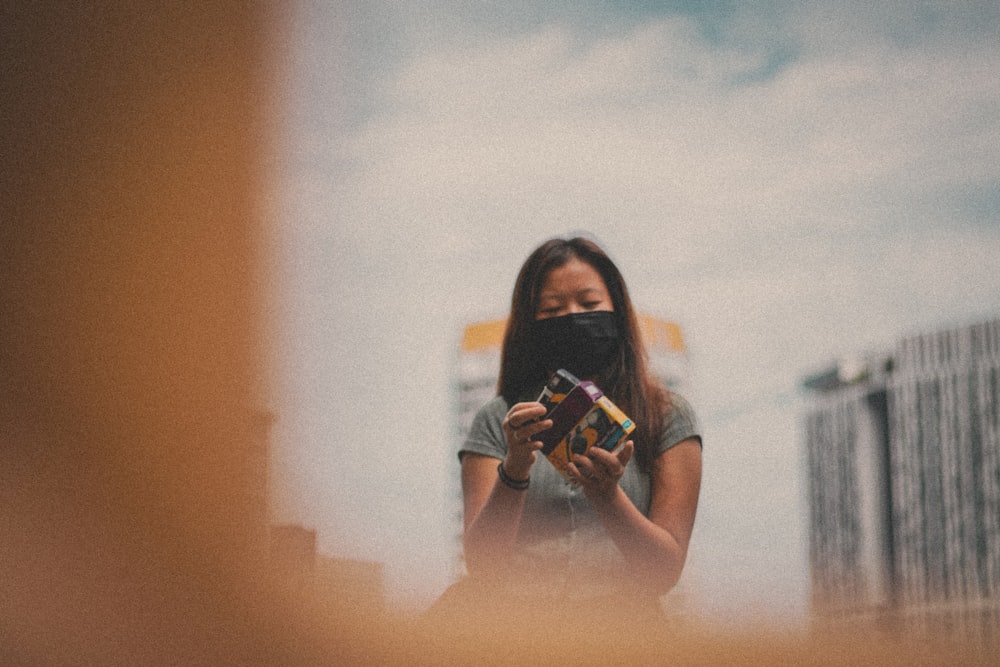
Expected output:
(625, 453)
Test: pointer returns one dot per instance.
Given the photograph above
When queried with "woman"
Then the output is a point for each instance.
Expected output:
(619, 529)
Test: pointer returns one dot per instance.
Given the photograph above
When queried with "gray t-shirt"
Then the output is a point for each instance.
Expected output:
(562, 545)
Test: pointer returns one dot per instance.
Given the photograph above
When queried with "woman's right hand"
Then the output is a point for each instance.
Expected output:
(521, 425)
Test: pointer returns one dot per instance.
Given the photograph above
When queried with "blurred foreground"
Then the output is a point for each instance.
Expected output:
(134, 524)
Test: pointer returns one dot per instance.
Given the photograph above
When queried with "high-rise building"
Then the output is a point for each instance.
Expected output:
(479, 369)
(904, 483)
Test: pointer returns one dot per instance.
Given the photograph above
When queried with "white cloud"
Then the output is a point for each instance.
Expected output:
(528, 128)
(783, 222)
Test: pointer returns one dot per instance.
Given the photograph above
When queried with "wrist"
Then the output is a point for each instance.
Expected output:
(517, 467)
(516, 483)
(604, 499)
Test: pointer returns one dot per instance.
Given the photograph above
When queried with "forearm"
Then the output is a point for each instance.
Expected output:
(491, 533)
(655, 556)
(493, 502)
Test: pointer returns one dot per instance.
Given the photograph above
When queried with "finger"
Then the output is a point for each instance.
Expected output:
(528, 416)
(625, 453)
(605, 472)
(525, 438)
(602, 457)
(524, 413)
(580, 475)
(534, 428)
(521, 441)
(584, 465)
(613, 465)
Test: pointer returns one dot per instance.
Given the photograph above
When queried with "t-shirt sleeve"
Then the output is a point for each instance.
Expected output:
(682, 424)
(486, 433)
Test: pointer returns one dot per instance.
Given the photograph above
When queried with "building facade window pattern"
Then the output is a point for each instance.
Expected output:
(835, 539)
(945, 409)
(848, 506)
(926, 422)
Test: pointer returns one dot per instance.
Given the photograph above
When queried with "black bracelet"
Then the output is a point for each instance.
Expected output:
(516, 484)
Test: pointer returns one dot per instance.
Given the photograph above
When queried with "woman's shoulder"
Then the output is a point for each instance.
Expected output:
(680, 405)
(485, 435)
(681, 423)
(493, 408)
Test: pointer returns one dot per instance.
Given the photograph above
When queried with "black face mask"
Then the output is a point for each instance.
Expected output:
(582, 343)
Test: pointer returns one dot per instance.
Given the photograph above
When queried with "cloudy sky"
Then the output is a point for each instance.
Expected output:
(792, 182)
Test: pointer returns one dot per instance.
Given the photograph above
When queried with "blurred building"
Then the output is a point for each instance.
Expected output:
(903, 452)
(330, 585)
(479, 369)
(293, 556)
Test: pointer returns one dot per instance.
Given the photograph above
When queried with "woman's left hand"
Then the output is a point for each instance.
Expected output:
(599, 470)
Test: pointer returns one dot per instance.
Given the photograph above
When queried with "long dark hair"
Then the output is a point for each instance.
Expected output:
(627, 380)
